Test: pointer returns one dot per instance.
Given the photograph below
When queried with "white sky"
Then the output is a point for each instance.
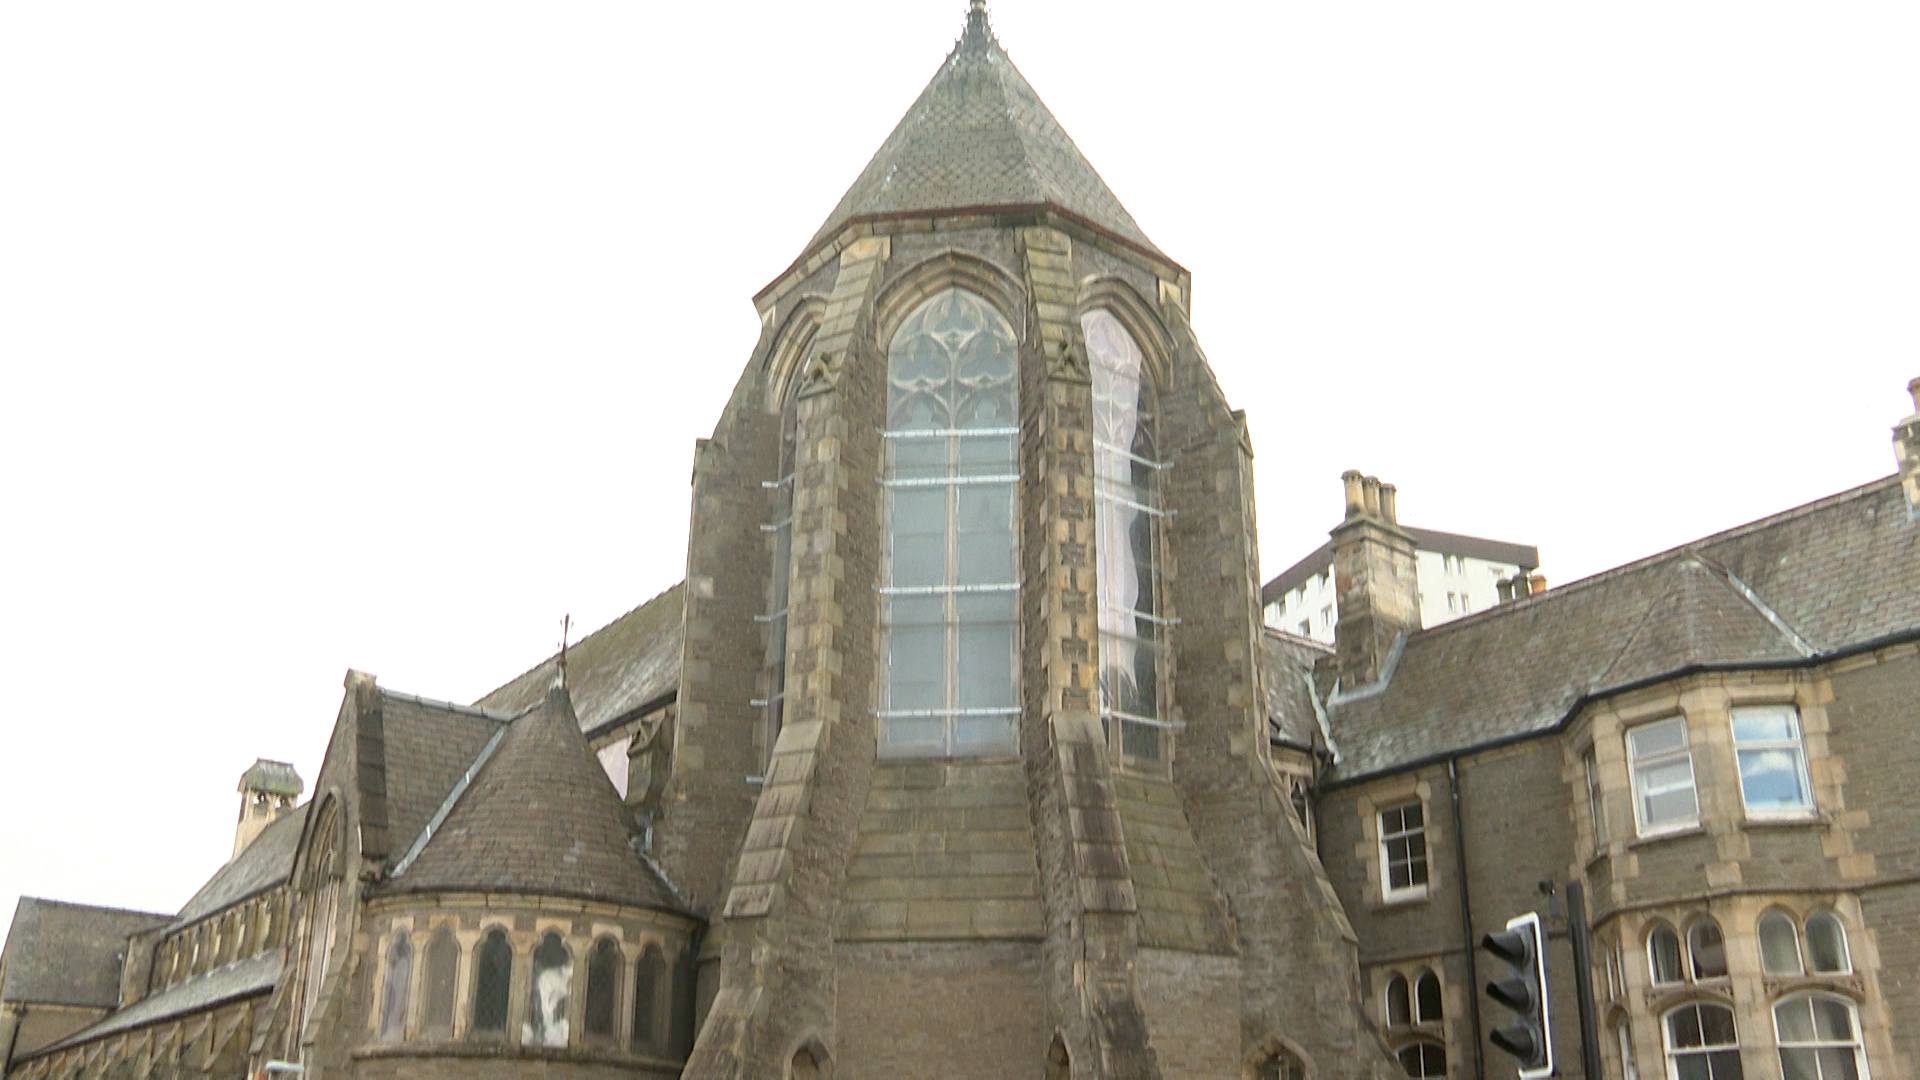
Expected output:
(377, 335)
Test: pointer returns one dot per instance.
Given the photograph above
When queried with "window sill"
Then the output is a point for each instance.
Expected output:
(1404, 898)
(1650, 839)
(1785, 821)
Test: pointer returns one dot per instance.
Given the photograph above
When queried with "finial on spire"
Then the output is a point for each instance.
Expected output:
(560, 667)
(977, 18)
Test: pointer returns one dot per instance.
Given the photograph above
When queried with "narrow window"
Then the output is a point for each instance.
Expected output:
(804, 1065)
(1827, 945)
(492, 979)
(1403, 852)
(1424, 1059)
(1629, 1068)
(951, 587)
(393, 989)
(1126, 466)
(1613, 975)
(1596, 808)
(1663, 956)
(548, 994)
(1662, 764)
(773, 706)
(1282, 1066)
(1426, 998)
(1779, 945)
(603, 988)
(1303, 806)
(1702, 1043)
(1399, 1006)
(683, 991)
(1773, 763)
(443, 970)
(649, 986)
(1819, 1039)
(1707, 948)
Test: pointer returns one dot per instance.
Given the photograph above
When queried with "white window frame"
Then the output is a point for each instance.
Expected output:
(1793, 935)
(1797, 746)
(1857, 1044)
(1596, 798)
(1629, 1068)
(1417, 890)
(1846, 946)
(1682, 968)
(1636, 763)
(1672, 1054)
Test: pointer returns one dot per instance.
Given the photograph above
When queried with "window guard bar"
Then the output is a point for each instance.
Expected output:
(1157, 620)
(902, 714)
(942, 590)
(780, 483)
(777, 526)
(775, 616)
(1142, 507)
(950, 433)
(1149, 721)
(1102, 444)
(763, 702)
(950, 481)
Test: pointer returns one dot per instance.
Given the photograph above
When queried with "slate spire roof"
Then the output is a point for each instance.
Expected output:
(539, 817)
(979, 137)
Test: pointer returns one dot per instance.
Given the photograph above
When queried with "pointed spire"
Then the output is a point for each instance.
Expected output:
(978, 29)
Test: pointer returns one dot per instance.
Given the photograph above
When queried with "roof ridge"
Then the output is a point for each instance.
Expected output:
(1581, 585)
(603, 628)
(1299, 639)
(116, 909)
(449, 706)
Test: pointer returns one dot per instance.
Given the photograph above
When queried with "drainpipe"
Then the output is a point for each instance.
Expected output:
(1466, 914)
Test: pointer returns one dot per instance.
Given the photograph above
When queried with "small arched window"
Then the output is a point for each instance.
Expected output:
(1827, 945)
(682, 1014)
(492, 981)
(1423, 1060)
(1819, 1038)
(1779, 945)
(1629, 1068)
(443, 971)
(1399, 1002)
(951, 586)
(1702, 1043)
(1426, 998)
(548, 994)
(394, 988)
(1707, 948)
(779, 527)
(1126, 488)
(1663, 956)
(603, 989)
(1281, 1066)
(649, 991)
(804, 1065)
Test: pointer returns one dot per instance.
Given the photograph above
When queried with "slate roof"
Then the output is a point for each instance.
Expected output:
(1287, 662)
(68, 954)
(1824, 578)
(539, 817)
(426, 747)
(978, 136)
(631, 663)
(242, 978)
(1524, 556)
(264, 864)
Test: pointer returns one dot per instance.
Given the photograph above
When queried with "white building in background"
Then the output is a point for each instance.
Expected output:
(1458, 575)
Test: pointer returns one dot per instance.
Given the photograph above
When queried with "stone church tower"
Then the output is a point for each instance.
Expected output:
(970, 769)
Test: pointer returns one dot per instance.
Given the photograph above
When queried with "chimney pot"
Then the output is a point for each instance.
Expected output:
(1388, 494)
(1914, 389)
(1536, 584)
(1356, 502)
(1370, 488)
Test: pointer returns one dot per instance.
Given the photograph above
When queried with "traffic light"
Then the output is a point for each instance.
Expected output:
(1522, 988)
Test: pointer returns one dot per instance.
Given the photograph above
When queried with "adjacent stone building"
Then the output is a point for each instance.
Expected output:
(961, 749)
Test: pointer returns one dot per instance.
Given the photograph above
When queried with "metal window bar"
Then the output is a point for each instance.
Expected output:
(949, 481)
(1102, 444)
(1149, 721)
(763, 702)
(778, 525)
(772, 617)
(1136, 613)
(780, 483)
(942, 590)
(951, 433)
(905, 714)
(1150, 511)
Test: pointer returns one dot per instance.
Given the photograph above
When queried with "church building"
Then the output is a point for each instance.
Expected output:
(962, 749)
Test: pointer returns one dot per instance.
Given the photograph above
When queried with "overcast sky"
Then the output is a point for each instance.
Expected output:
(378, 334)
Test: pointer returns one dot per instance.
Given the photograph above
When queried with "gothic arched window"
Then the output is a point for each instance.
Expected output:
(1827, 945)
(603, 988)
(492, 980)
(393, 989)
(1779, 944)
(1426, 999)
(779, 526)
(323, 883)
(649, 984)
(951, 585)
(681, 1015)
(1707, 948)
(1423, 1060)
(1282, 1066)
(443, 970)
(548, 994)
(1399, 1002)
(1663, 955)
(1126, 466)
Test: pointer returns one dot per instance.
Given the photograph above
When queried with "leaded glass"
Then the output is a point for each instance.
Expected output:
(393, 989)
(493, 969)
(603, 988)
(443, 965)
(548, 994)
(951, 586)
(1126, 464)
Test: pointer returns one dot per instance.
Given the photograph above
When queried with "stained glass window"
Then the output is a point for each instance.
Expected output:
(649, 987)
(443, 966)
(549, 994)
(393, 989)
(492, 975)
(951, 589)
(1126, 467)
(603, 988)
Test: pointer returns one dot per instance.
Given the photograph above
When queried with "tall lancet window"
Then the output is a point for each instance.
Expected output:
(951, 584)
(779, 526)
(1126, 466)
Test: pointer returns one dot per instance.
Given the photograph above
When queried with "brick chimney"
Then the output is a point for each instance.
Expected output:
(1376, 590)
(267, 790)
(1906, 451)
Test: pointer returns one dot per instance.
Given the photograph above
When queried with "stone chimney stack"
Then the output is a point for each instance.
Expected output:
(1906, 451)
(1375, 584)
(267, 790)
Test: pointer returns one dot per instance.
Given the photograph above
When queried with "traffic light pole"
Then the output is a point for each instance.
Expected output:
(1582, 936)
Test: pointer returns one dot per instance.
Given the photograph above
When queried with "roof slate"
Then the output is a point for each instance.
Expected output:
(1839, 573)
(539, 817)
(242, 978)
(263, 864)
(68, 954)
(626, 665)
(978, 136)
(1288, 662)
(428, 747)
